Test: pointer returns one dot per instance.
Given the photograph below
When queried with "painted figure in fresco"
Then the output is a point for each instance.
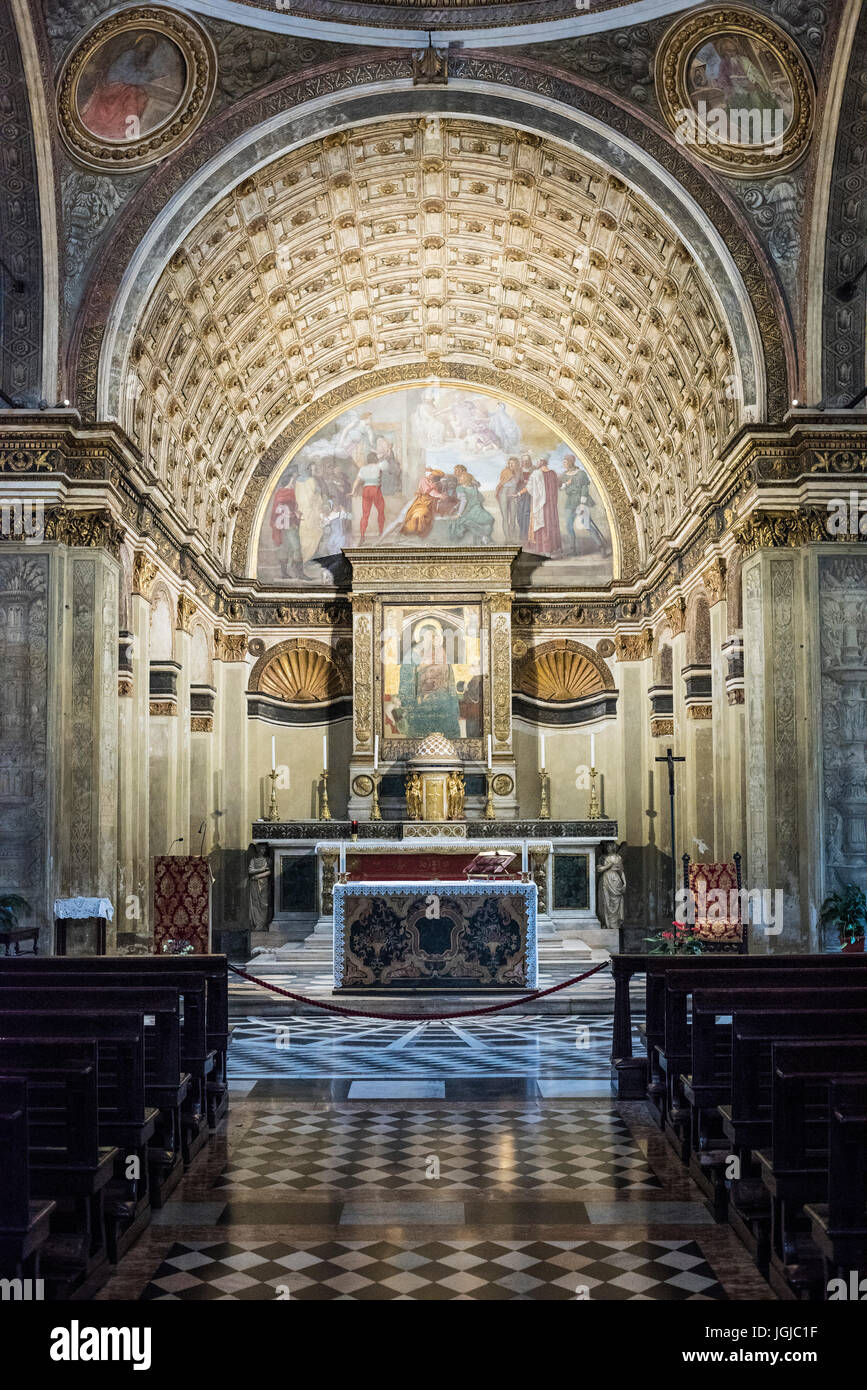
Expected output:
(455, 792)
(473, 518)
(427, 694)
(356, 439)
(449, 501)
(421, 511)
(523, 504)
(369, 483)
(146, 74)
(611, 893)
(285, 524)
(413, 796)
(336, 528)
(544, 537)
(258, 887)
(391, 469)
(575, 486)
(586, 537)
(506, 430)
(507, 495)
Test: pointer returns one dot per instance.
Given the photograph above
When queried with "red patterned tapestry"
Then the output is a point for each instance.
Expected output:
(182, 901)
(715, 924)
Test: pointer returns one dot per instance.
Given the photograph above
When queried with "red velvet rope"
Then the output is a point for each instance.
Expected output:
(418, 1018)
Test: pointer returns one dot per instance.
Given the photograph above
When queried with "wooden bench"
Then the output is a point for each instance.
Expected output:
(196, 1058)
(661, 969)
(67, 1164)
(124, 1119)
(25, 1014)
(795, 1166)
(839, 1224)
(24, 1221)
(212, 968)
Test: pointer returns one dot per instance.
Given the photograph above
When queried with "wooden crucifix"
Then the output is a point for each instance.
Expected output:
(670, 759)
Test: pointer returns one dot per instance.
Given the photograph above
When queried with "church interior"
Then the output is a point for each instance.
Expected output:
(433, 615)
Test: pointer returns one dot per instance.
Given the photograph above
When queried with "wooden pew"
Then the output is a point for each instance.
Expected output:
(124, 1120)
(196, 1059)
(67, 1164)
(675, 1054)
(727, 1086)
(165, 1087)
(795, 1166)
(24, 1220)
(839, 1224)
(212, 968)
(659, 969)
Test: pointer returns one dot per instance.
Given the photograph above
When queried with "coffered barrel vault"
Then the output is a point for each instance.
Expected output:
(452, 243)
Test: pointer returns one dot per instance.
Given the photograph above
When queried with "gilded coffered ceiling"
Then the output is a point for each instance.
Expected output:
(450, 242)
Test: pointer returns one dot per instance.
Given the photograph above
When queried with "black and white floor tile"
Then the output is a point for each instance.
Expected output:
(641, 1269)
(480, 1148)
(568, 1047)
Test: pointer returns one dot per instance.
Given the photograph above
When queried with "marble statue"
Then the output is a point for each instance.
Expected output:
(413, 796)
(455, 792)
(258, 887)
(612, 887)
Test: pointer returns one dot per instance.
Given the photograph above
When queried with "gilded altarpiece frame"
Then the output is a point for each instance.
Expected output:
(457, 587)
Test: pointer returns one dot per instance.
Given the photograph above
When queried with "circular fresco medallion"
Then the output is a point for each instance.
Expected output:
(503, 784)
(736, 91)
(135, 88)
(362, 785)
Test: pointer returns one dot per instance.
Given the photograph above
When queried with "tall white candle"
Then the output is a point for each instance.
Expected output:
(376, 752)
(490, 753)
(592, 750)
(324, 752)
(273, 753)
(541, 752)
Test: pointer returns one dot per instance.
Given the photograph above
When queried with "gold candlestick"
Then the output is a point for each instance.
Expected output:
(374, 799)
(273, 808)
(593, 810)
(490, 813)
(324, 809)
(545, 804)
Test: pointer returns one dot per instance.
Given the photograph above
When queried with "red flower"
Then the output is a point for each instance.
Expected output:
(667, 935)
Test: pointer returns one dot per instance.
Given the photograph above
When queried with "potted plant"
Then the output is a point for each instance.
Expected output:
(683, 940)
(847, 911)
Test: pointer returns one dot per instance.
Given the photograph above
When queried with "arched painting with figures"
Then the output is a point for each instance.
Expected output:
(436, 465)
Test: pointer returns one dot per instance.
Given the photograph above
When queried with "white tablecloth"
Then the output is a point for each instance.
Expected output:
(83, 907)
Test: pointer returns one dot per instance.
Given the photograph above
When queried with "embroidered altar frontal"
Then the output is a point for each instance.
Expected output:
(402, 937)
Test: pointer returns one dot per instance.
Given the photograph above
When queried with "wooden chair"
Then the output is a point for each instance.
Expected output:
(723, 934)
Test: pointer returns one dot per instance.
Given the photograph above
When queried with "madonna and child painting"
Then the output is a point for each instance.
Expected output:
(436, 466)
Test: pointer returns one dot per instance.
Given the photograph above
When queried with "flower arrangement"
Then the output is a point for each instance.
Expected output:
(177, 948)
(684, 940)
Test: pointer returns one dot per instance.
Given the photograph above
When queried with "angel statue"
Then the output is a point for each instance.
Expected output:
(612, 886)
(455, 793)
(412, 789)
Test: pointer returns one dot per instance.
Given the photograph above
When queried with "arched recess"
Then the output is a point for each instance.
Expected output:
(301, 670)
(662, 656)
(162, 625)
(698, 648)
(574, 118)
(201, 656)
(715, 238)
(561, 670)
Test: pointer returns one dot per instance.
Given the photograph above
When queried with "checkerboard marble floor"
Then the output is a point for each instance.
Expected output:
(472, 1200)
(473, 1147)
(436, 1269)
